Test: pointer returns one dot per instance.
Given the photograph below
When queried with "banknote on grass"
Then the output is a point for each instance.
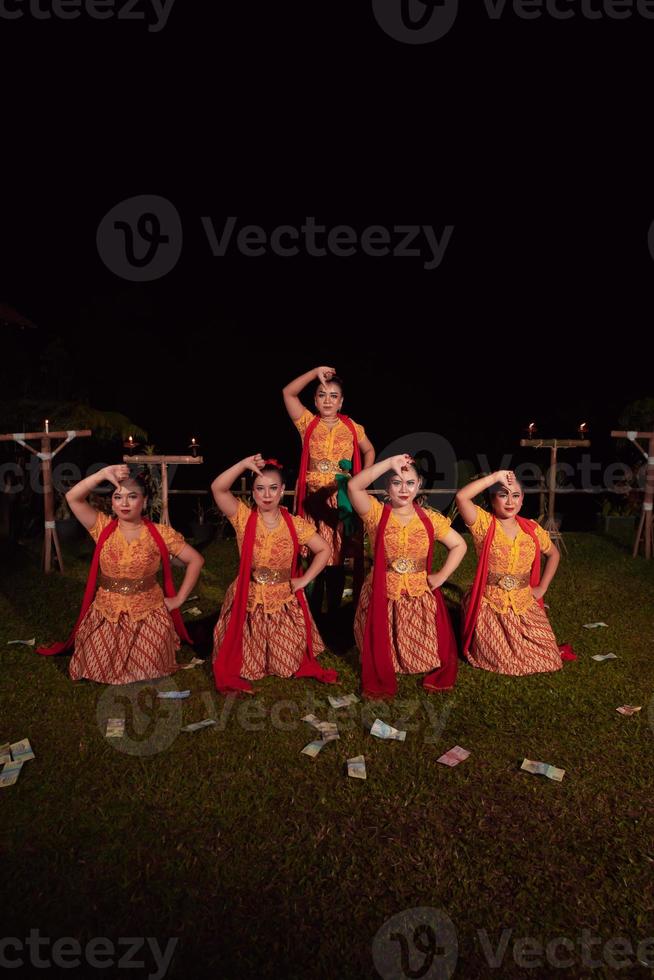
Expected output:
(115, 728)
(381, 730)
(454, 756)
(10, 773)
(629, 709)
(193, 611)
(328, 729)
(195, 662)
(173, 695)
(356, 767)
(28, 643)
(21, 751)
(604, 656)
(343, 702)
(594, 626)
(313, 748)
(197, 725)
(5, 753)
(543, 769)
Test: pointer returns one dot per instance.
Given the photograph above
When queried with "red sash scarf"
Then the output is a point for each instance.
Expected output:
(378, 676)
(301, 488)
(228, 662)
(479, 584)
(89, 592)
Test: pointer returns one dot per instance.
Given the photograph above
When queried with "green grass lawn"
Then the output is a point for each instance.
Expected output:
(266, 863)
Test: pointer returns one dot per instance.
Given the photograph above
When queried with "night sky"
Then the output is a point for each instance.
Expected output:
(541, 306)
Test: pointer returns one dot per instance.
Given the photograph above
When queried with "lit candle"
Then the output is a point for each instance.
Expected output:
(194, 447)
(583, 430)
(129, 444)
(47, 425)
(531, 429)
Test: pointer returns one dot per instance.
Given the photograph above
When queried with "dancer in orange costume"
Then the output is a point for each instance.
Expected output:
(328, 438)
(265, 626)
(129, 630)
(506, 628)
(401, 624)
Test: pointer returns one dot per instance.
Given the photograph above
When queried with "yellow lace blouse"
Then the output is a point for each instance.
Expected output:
(273, 548)
(410, 541)
(332, 444)
(121, 558)
(508, 557)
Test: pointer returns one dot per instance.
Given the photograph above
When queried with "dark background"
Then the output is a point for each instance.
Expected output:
(530, 137)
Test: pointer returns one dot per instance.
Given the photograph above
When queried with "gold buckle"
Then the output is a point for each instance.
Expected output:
(508, 583)
(265, 576)
(324, 466)
(402, 565)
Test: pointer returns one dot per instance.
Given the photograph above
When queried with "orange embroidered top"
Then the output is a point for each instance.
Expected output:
(136, 559)
(273, 548)
(508, 557)
(410, 541)
(329, 444)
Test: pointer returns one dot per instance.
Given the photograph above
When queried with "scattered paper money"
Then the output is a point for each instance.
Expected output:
(5, 753)
(328, 729)
(342, 702)
(191, 598)
(115, 727)
(543, 769)
(197, 725)
(21, 751)
(28, 643)
(348, 593)
(10, 773)
(193, 611)
(173, 695)
(604, 656)
(313, 748)
(453, 756)
(629, 709)
(594, 626)
(381, 730)
(356, 767)
(193, 663)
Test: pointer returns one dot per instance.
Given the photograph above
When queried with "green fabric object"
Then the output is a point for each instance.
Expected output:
(345, 512)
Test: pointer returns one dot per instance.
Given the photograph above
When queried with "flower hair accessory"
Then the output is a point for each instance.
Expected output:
(273, 462)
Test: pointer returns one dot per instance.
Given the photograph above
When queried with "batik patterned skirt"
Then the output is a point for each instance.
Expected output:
(273, 643)
(125, 651)
(412, 630)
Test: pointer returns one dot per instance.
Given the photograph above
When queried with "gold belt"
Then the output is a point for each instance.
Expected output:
(271, 576)
(508, 582)
(404, 565)
(126, 586)
(323, 466)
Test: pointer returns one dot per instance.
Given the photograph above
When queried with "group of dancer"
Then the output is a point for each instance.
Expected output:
(129, 629)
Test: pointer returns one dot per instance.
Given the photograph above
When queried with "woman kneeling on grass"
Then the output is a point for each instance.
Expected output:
(265, 626)
(401, 624)
(131, 630)
(506, 628)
